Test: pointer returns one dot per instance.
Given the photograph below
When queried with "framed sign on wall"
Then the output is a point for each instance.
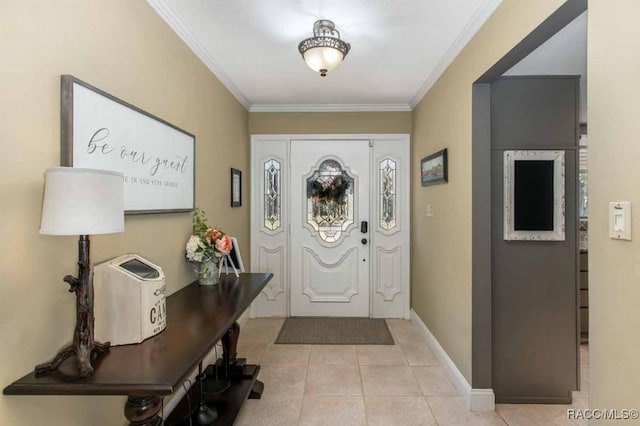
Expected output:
(100, 131)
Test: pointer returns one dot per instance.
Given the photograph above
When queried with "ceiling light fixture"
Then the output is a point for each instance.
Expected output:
(324, 51)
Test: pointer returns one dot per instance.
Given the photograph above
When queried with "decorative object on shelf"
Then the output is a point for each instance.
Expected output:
(158, 367)
(206, 247)
(236, 188)
(208, 271)
(226, 263)
(534, 196)
(100, 131)
(232, 260)
(324, 51)
(434, 168)
(130, 299)
(236, 256)
(81, 202)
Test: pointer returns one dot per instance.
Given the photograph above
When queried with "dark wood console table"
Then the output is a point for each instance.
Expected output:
(197, 318)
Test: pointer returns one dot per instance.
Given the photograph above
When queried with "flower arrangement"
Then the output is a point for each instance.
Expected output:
(329, 189)
(206, 243)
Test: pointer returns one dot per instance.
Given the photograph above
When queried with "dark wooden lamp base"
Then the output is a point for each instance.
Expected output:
(85, 368)
(84, 346)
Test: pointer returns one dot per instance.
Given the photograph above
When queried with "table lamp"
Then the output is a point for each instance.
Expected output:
(81, 202)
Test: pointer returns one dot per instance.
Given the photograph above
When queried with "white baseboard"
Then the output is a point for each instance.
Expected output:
(482, 400)
(475, 399)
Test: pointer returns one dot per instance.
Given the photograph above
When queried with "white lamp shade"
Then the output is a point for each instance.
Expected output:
(82, 202)
(318, 58)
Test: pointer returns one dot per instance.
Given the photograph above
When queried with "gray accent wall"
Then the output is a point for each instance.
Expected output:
(534, 283)
(481, 192)
(481, 238)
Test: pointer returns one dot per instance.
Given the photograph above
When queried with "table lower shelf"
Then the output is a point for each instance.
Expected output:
(227, 403)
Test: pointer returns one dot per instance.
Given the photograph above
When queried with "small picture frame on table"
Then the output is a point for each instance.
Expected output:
(233, 260)
(236, 188)
(434, 169)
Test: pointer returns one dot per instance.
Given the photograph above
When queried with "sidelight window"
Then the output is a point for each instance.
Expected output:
(387, 194)
(272, 195)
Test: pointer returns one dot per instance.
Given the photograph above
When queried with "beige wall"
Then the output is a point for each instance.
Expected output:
(441, 245)
(614, 153)
(261, 123)
(124, 48)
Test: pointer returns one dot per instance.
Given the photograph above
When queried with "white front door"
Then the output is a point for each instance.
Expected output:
(329, 243)
(305, 225)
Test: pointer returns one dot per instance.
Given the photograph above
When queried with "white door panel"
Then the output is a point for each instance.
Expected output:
(330, 282)
(269, 225)
(389, 276)
(390, 230)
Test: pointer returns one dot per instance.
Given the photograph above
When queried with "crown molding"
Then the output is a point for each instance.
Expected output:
(331, 108)
(470, 29)
(475, 23)
(194, 44)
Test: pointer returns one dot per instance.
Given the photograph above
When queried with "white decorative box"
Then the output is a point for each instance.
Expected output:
(129, 300)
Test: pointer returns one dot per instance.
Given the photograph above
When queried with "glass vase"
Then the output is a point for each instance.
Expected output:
(208, 272)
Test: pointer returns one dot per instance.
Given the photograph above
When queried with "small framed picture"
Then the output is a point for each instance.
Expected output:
(235, 255)
(433, 169)
(236, 188)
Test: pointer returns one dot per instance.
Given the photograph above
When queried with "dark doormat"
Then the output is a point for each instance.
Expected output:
(334, 331)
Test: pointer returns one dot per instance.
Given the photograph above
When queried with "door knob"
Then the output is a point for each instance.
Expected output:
(363, 241)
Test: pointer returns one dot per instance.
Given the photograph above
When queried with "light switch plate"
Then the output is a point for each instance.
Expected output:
(431, 210)
(620, 220)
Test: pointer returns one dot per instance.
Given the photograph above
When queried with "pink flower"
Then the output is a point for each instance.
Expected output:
(224, 245)
(212, 235)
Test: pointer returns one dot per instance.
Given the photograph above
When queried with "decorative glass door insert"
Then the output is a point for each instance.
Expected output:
(330, 200)
(387, 194)
(272, 195)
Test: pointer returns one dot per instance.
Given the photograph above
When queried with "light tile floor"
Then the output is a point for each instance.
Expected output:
(371, 385)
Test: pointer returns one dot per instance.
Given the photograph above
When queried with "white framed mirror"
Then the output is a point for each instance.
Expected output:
(534, 195)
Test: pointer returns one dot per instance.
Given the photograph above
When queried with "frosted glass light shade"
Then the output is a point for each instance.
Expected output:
(82, 202)
(323, 58)
(325, 50)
